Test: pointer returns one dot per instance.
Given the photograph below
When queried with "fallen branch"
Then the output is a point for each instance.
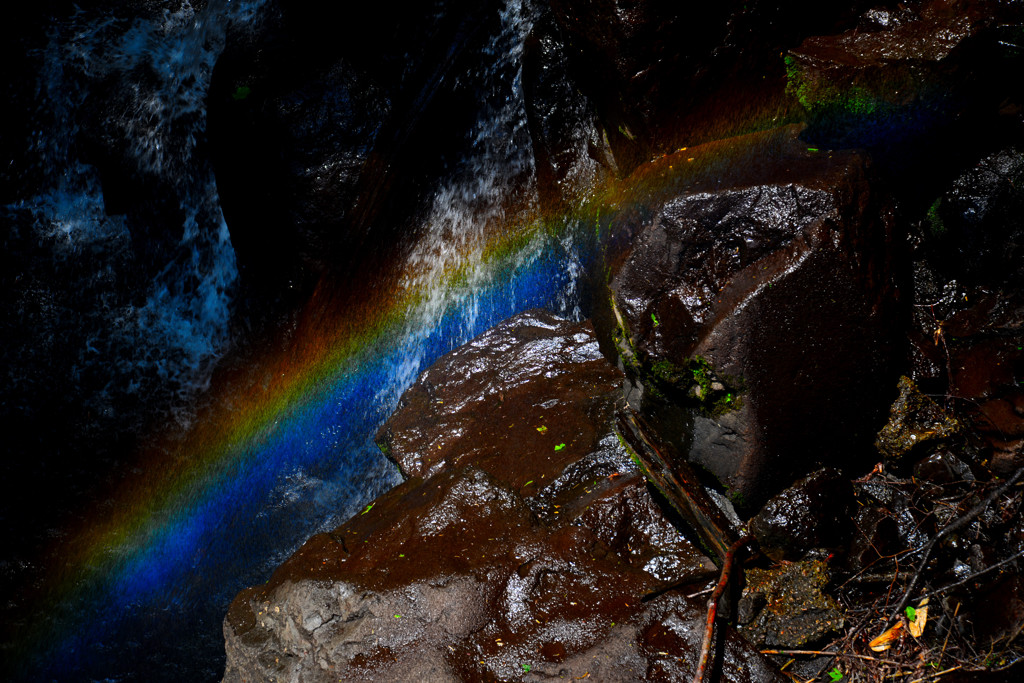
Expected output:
(956, 525)
(937, 674)
(709, 625)
(678, 483)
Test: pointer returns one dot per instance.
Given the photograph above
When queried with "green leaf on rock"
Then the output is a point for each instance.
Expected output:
(835, 674)
(559, 446)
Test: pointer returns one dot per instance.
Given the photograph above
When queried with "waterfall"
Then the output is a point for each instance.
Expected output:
(150, 576)
(154, 320)
(470, 210)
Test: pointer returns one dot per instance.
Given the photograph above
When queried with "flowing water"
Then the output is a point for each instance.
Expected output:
(137, 591)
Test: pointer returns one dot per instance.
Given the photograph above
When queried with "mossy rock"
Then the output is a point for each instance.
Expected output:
(916, 424)
(794, 611)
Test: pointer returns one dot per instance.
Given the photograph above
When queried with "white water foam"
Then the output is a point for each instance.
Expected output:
(446, 268)
(160, 67)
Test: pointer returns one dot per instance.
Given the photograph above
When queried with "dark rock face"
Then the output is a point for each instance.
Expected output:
(570, 145)
(967, 337)
(975, 227)
(507, 556)
(812, 513)
(646, 65)
(326, 124)
(758, 298)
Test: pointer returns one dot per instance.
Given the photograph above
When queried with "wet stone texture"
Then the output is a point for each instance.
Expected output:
(916, 424)
(810, 514)
(758, 303)
(786, 607)
(968, 336)
(510, 558)
(908, 77)
(523, 400)
(649, 65)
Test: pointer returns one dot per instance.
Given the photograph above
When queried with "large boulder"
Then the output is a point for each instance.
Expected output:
(755, 309)
(454, 580)
(520, 551)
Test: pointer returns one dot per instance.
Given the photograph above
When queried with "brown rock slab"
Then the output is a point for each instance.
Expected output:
(454, 580)
(522, 401)
(758, 303)
(476, 573)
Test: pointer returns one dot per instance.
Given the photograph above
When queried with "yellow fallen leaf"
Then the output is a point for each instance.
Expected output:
(916, 627)
(884, 641)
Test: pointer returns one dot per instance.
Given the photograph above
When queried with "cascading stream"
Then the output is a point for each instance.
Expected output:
(143, 584)
(154, 319)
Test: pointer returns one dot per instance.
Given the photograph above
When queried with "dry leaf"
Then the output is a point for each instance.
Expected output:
(916, 627)
(884, 641)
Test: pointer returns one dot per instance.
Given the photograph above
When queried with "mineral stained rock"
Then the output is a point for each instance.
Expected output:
(758, 299)
(518, 550)
(916, 423)
(796, 612)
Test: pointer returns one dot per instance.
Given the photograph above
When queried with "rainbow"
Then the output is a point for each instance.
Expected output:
(194, 521)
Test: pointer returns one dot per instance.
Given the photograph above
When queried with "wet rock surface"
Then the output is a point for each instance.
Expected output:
(498, 559)
(788, 608)
(760, 300)
(523, 400)
(812, 513)
(968, 329)
(906, 79)
(570, 144)
(791, 236)
(916, 422)
(648, 65)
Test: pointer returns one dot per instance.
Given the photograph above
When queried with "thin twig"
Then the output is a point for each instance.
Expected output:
(937, 674)
(827, 653)
(959, 523)
(700, 593)
(709, 626)
(948, 631)
(975, 575)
